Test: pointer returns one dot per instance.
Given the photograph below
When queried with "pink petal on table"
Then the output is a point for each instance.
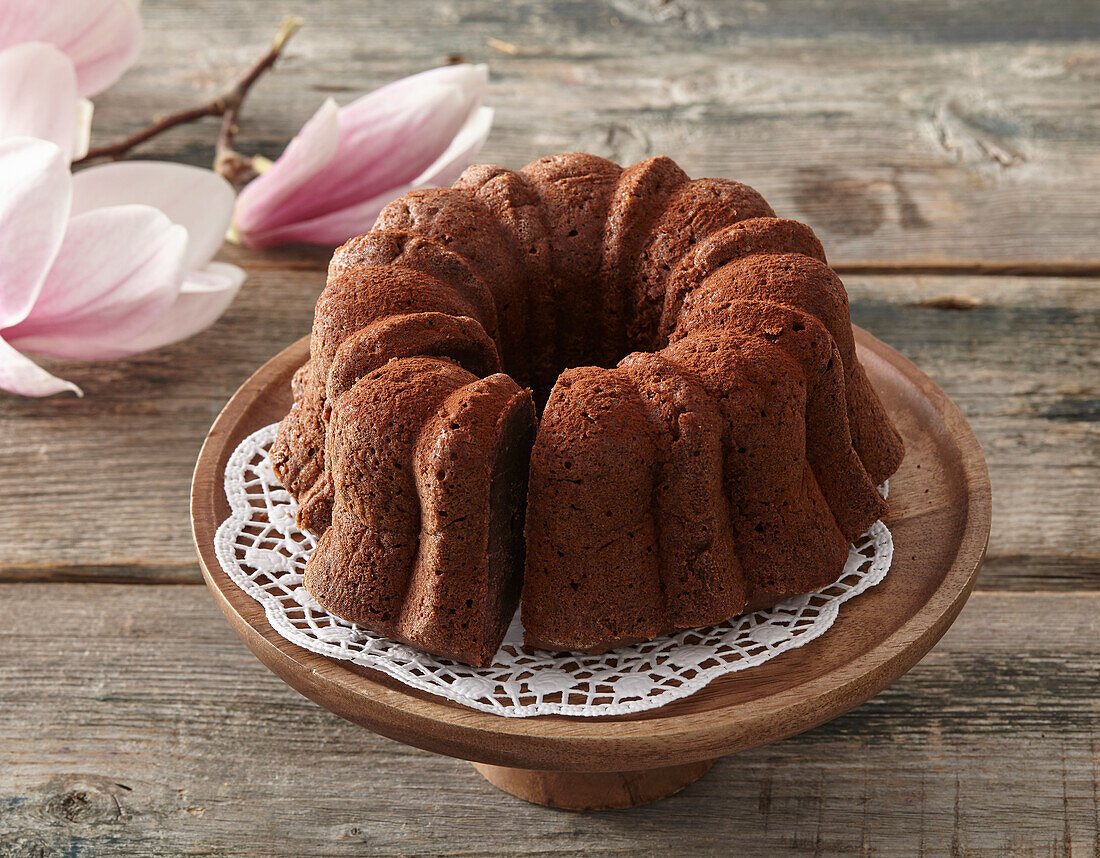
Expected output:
(19, 374)
(333, 228)
(457, 157)
(198, 199)
(306, 155)
(205, 295)
(338, 226)
(385, 141)
(38, 94)
(35, 194)
(467, 82)
(117, 271)
(102, 37)
(470, 77)
(471, 80)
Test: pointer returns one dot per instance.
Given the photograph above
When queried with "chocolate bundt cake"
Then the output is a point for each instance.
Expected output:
(708, 442)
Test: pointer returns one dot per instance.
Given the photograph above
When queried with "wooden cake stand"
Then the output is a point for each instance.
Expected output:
(939, 518)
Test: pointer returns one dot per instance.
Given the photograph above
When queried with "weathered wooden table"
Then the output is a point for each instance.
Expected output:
(946, 153)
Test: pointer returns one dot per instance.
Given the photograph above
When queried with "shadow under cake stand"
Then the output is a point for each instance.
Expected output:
(939, 518)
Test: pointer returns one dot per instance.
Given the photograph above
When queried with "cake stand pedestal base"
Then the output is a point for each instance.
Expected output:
(593, 790)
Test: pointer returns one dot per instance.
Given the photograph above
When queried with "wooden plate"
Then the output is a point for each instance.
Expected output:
(940, 514)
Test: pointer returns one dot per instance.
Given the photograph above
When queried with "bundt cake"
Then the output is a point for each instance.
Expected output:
(708, 442)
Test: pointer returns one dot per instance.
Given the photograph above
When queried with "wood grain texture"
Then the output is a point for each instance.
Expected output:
(939, 132)
(154, 732)
(1023, 366)
(593, 791)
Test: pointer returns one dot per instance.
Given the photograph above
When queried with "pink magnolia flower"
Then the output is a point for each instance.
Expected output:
(38, 98)
(347, 163)
(106, 263)
(54, 52)
(102, 38)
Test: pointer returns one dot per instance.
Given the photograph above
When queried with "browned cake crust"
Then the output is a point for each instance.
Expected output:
(709, 443)
(457, 220)
(418, 449)
(574, 194)
(765, 235)
(514, 202)
(786, 536)
(807, 284)
(629, 308)
(592, 569)
(458, 338)
(693, 212)
(355, 297)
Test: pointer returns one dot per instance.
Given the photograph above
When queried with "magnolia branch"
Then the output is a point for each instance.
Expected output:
(227, 161)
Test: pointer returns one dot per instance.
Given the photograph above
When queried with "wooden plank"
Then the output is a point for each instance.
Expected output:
(152, 731)
(1023, 365)
(102, 481)
(936, 134)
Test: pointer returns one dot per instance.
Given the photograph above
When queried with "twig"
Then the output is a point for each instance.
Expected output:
(161, 124)
(235, 167)
(227, 105)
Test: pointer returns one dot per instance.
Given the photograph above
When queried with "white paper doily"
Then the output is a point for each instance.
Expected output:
(263, 552)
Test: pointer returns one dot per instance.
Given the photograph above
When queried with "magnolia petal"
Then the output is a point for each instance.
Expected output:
(385, 141)
(102, 37)
(466, 144)
(82, 128)
(205, 295)
(336, 227)
(19, 374)
(331, 228)
(471, 80)
(198, 199)
(38, 94)
(118, 270)
(35, 194)
(308, 153)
